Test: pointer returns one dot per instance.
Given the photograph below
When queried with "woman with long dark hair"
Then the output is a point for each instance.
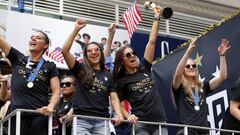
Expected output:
(94, 86)
(135, 84)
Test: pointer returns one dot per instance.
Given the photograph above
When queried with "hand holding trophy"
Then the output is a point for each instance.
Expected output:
(165, 12)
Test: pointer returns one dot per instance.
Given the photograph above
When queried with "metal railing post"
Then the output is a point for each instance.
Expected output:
(50, 118)
(64, 128)
(105, 127)
(160, 129)
(74, 125)
(1, 128)
(18, 122)
(9, 126)
(185, 130)
(133, 129)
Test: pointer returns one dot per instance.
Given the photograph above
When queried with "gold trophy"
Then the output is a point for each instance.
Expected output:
(165, 12)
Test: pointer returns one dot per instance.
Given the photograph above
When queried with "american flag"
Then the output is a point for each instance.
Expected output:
(57, 56)
(131, 18)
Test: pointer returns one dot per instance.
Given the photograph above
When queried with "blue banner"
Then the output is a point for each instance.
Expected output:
(164, 45)
(207, 55)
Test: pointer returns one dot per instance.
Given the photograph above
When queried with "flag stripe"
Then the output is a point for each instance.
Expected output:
(57, 56)
(131, 18)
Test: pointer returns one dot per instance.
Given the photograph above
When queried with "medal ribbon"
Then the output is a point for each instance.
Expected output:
(195, 95)
(32, 75)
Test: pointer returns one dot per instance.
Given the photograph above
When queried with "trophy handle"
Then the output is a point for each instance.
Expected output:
(165, 12)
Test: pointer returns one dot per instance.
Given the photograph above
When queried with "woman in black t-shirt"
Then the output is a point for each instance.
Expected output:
(32, 76)
(94, 86)
(68, 89)
(136, 85)
(190, 93)
(231, 118)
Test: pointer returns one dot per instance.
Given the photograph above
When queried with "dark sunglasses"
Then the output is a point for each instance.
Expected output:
(130, 54)
(188, 66)
(67, 84)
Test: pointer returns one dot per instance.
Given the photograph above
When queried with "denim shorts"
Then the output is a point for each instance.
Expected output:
(92, 127)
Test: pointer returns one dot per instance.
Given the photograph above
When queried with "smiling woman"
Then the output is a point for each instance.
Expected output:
(94, 86)
(190, 92)
(32, 76)
(135, 84)
(39, 41)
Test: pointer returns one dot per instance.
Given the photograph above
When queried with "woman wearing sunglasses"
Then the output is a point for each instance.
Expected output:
(62, 113)
(190, 93)
(135, 84)
(94, 86)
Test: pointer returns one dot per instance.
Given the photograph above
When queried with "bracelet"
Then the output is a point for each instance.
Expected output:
(157, 17)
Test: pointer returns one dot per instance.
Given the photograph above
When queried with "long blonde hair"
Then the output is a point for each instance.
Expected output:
(187, 85)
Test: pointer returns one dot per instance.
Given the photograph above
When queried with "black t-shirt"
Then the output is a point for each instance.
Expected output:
(185, 107)
(1, 103)
(95, 100)
(22, 96)
(64, 107)
(229, 121)
(140, 90)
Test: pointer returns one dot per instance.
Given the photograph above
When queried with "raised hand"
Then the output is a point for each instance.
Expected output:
(80, 23)
(191, 46)
(112, 28)
(224, 46)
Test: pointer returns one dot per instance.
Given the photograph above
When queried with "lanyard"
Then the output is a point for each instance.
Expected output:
(195, 95)
(32, 75)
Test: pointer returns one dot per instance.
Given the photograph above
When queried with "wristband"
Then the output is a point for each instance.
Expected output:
(157, 17)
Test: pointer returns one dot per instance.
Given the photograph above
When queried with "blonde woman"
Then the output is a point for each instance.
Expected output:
(190, 93)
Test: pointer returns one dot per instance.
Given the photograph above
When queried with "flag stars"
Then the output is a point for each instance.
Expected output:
(198, 60)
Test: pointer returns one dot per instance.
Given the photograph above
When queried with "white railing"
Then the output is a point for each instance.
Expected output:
(18, 113)
(185, 127)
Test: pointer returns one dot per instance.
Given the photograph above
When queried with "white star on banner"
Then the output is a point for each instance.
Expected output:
(217, 73)
(202, 79)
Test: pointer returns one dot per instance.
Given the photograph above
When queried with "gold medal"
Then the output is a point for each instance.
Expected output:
(30, 84)
(197, 108)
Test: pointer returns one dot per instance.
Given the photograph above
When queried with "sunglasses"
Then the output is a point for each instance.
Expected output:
(67, 84)
(93, 50)
(188, 66)
(130, 54)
